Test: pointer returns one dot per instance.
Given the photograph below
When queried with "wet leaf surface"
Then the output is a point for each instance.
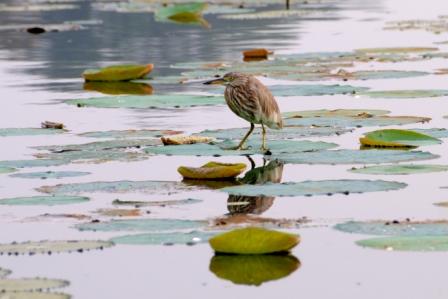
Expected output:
(31, 284)
(395, 228)
(212, 171)
(397, 138)
(406, 94)
(6, 132)
(253, 240)
(407, 243)
(32, 163)
(314, 90)
(49, 247)
(400, 169)
(160, 203)
(435, 132)
(354, 157)
(151, 225)
(176, 238)
(118, 73)
(49, 174)
(43, 200)
(310, 188)
(253, 269)
(119, 212)
(130, 134)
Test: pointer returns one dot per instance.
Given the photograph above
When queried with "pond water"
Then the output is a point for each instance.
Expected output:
(39, 72)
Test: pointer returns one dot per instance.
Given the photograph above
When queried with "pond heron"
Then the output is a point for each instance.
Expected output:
(248, 98)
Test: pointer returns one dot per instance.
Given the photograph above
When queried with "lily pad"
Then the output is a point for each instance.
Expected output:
(6, 132)
(95, 156)
(222, 149)
(253, 269)
(49, 174)
(31, 284)
(395, 228)
(32, 163)
(407, 94)
(154, 225)
(186, 13)
(115, 187)
(310, 188)
(354, 157)
(160, 203)
(314, 90)
(130, 133)
(6, 170)
(434, 132)
(33, 295)
(400, 169)
(365, 113)
(397, 138)
(145, 102)
(99, 146)
(374, 75)
(48, 247)
(43, 200)
(190, 238)
(397, 50)
(36, 7)
(118, 72)
(119, 212)
(119, 88)
(407, 243)
(272, 14)
(253, 240)
(212, 171)
(183, 139)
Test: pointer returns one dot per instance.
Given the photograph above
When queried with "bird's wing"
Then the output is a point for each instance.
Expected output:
(268, 111)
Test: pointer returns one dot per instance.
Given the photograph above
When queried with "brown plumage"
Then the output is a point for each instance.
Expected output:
(248, 98)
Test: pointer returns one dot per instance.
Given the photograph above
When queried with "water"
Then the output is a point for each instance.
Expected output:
(38, 72)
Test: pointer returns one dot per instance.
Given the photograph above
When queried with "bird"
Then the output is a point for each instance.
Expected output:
(251, 100)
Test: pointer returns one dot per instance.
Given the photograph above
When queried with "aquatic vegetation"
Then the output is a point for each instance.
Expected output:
(407, 94)
(119, 87)
(315, 90)
(49, 247)
(32, 163)
(182, 139)
(119, 212)
(30, 284)
(152, 225)
(7, 132)
(118, 73)
(396, 228)
(49, 174)
(397, 138)
(36, 7)
(436, 26)
(212, 171)
(400, 169)
(33, 295)
(273, 14)
(188, 13)
(253, 240)
(159, 203)
(173, 238)
(6, 169)
(407, 243)
(4, 272)
(259, 53)
(144, 133)
(43, 200)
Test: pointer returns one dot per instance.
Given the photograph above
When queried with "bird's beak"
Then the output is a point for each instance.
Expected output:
(219, 81)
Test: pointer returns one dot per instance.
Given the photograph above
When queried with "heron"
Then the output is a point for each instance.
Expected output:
(251, 100)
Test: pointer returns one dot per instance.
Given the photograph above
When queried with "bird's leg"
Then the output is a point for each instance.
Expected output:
(240, 146)
(263, 136)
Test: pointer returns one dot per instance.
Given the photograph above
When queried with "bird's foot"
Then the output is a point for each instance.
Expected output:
(265, 150)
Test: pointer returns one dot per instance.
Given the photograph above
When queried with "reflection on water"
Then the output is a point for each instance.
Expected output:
(271, 173)
(253, 269)
(117, 88)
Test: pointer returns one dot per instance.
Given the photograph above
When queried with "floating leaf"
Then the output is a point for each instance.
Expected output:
(130, 133)
(372, 75)
(436, 26)
(253, 269)
(32, 163)
(190, 13)
(43, 200)
(400, 169)
(48, 247)
(236, 220)
(4, 273)
(223, 148)
(95, 156)
(272, 14)
(407, 94)
(119, 212)
(49, 174)
(253, 240)
(155, 225)
(6, 169)
(33, 295)
(435, 132)
(119, 88)
(190, 238)
(52, 125)
(212, 171)
(115, 187)
(36, 7)
(397, 138)
(6, 132)
(314, 90)
(118, 73)
(407, 243)
(182, 139)
(99, 146)
(124, 7)
(145, 102)
(31, 284)
(354, 157)
(161, 203)
(395, 228)
(309, 188)
(397, 50)
(364, 113)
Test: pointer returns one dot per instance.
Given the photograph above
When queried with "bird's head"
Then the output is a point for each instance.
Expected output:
(227, 79)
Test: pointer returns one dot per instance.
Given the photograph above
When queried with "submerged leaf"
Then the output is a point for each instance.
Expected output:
(253, 269)
(397, 138)
(189, 238)
(43, 200)
(310, 188)
(212, 171)
(118, 73)
(48, 247)
(49, 174)
(253, 240)
(30, 284)
(155, 225)
(407, 243)
(400, 169)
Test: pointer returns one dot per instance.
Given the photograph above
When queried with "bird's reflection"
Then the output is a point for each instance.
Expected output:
(270, 173)
(253, 269)
(118, 88)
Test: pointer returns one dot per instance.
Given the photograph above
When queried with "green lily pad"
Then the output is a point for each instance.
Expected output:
(48, 247)
(397, 138)
(160, 203)
(33, 295)
(32, 163)
(400, 169)
(115, 187)
(31, 284)
(6, 132)
(49, 174)
(434, 132)
(407, 243)
(99, 146)
(186, 13)
(253, 269)
(309, 188)
(118, 72)
(130, 134)
(354, 157)
(253, 240)
(6, 169)
(4, 272)
(145, 102)
(190, 238)
(406, 94)
(222, 149)
(43, 200)
(314, 90)
(155, 225)
(395, 228)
